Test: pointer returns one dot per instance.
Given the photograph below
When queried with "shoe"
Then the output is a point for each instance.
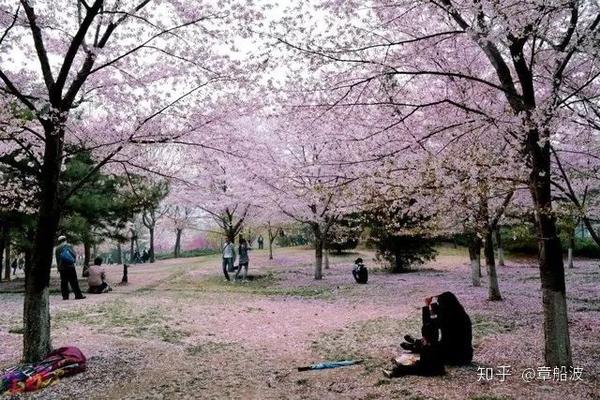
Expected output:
(409, 339)
(65, 298)
(80, 298)
(387, 373)
(407, 346)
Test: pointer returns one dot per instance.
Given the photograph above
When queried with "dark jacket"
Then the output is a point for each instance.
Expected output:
(452, 326)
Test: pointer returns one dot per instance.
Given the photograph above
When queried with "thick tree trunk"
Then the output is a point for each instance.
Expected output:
(500, 246)
(36, 309)
(326, 251)
(556, 327)
(475, 258)
(318, 252)
(571, 248)
(177, 251)
(87, 254)
(490, 263)
(87, 247)
(318, 259)
(151, 251)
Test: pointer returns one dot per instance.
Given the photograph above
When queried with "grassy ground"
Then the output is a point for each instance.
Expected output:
(179, 330)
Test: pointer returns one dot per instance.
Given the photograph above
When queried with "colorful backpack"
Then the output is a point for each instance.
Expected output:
(62, 362)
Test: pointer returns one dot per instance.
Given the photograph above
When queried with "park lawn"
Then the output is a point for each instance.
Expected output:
(178, 330)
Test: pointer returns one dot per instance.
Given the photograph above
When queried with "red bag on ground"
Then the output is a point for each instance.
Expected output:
(64, 361)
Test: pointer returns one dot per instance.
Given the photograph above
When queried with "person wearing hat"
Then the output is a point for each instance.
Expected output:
(65, 263)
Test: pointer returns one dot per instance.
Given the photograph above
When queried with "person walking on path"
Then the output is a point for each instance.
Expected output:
(65, 263)
(244, 259)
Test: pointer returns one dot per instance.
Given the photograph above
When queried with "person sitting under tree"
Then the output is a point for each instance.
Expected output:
(97, 278)
(447, 339)
(359, 271)
(65, 263)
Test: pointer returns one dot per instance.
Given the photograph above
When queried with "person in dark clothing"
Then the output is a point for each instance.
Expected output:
(447, 338)
(14, 266)
(65, 263)
(244, 260)
(136, 257)
(359, 271)
(261, 242)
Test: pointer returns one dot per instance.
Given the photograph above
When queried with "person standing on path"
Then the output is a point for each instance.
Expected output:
(65, 263)
(244, 259)
(228, 257)
(261, 242)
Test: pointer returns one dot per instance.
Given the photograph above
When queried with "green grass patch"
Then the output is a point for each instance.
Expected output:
(486, 325)
(261, 285)
(189, 254)
(365, 340)
(125, 319)
(210, 347)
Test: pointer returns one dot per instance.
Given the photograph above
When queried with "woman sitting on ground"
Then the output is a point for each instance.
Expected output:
(97, 278)
(447, 338)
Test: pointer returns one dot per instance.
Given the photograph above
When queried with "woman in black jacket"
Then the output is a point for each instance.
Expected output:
(447, 338)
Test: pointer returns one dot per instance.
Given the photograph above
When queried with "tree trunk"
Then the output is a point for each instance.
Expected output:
(271, 238)
(177, 251)
(8, 256)
(2, 244)
(326, 251)
(119, 253)
(500, 246)
(475, 258)
(318, 252)
(318, 259)
(398, 267)
(151, 251)
(571, 248)
(556, 327)
(490, 263)
(87, 248)
(131, 251)
(36, 307)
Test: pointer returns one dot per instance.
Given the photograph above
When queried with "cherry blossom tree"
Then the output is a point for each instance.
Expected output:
(529, 69)
(110, 76)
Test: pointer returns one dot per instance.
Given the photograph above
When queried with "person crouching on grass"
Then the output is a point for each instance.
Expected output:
(97, 278)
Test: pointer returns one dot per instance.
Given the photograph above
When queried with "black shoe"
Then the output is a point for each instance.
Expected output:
(409, 339)
(65, 298)
(407, 346)
(80, 298)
